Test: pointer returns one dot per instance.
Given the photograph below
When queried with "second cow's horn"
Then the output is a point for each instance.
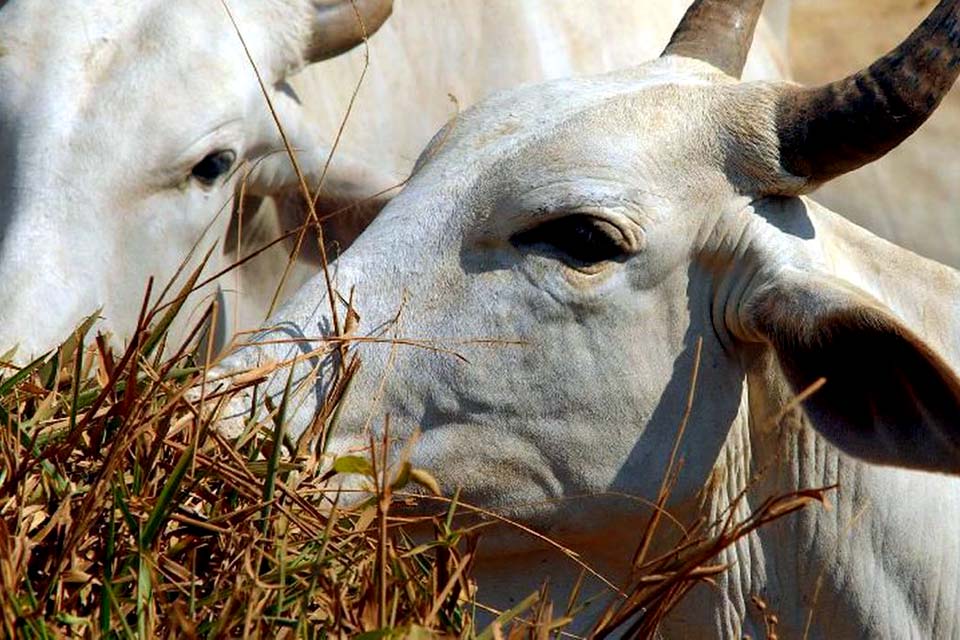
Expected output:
(719, 32)
(340, 25)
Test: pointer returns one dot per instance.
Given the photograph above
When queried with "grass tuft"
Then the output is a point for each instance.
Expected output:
(124, 514)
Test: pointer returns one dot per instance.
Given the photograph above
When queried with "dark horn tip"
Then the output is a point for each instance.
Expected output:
(828, 131)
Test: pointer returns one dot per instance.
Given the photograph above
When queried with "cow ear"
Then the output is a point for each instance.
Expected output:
(272, 170)
(351, 194)
(348, 193)
(338, 175)
(888, 397)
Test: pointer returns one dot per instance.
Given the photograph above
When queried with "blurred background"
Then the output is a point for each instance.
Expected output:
(918, 184)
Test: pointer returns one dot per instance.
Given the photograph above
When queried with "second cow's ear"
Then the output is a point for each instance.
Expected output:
(337, 172)
(344, 213)
(348, 192)
(338, 180)
(888, 397)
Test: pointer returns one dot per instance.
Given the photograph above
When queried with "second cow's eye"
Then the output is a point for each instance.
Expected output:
(578, 239)
(213, 166)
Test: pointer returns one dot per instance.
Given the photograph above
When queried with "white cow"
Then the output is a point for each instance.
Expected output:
(125, 127)
(602, 226)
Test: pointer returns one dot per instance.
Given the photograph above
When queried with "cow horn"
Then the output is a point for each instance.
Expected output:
(718, 32)
(827, 131)
(340, 25)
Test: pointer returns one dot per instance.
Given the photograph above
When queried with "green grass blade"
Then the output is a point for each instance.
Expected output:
(160, 330)
(112, 597)
(50, 371)
(279, 424)
(144, 593)
(10, 383)
(9, 353)
(165, 500)
(73, 345)
(509, 615)
(75, 383)
(125, 510)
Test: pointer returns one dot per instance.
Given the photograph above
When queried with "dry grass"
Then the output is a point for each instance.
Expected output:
(124, 514)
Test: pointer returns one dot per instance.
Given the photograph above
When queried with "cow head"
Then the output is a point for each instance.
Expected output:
(124, 130)
(590, 233)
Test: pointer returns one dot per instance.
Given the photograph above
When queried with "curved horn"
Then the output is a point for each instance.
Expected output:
(718, 32)
(340, 25)
(828, 131)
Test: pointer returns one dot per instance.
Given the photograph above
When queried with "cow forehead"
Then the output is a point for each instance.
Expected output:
(32, 28)
(78, 80)
(89, 44)
(576, 132)
(509, 122)
(78, 28)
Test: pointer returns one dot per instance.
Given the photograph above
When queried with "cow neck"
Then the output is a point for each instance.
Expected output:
(882, 560)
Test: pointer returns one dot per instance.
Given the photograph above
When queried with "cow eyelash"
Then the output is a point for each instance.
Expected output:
(578, 239)
(213, 166)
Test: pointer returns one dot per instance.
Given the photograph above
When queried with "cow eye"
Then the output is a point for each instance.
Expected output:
(213, 166)
(579, 240)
